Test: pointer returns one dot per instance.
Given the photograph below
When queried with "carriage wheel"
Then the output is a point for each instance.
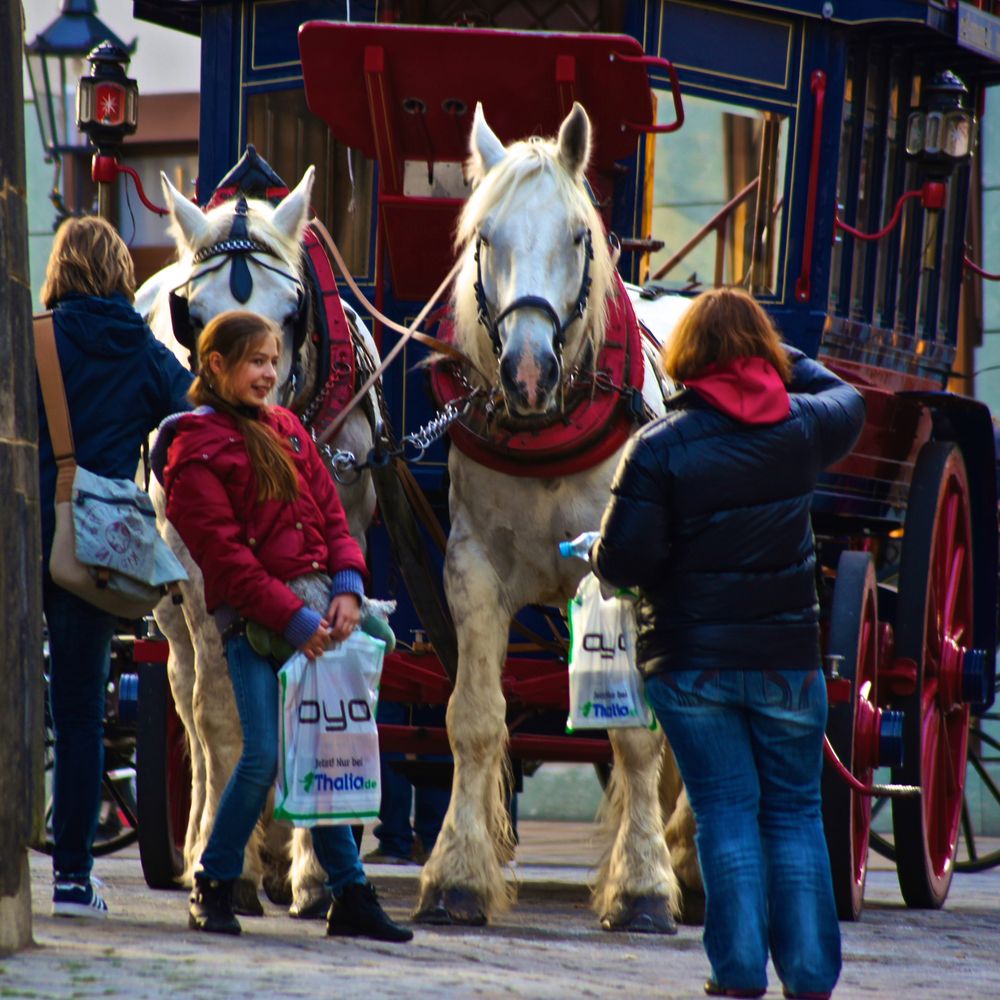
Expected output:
(852, 729)
(163, 780)
(984, 754)
(933, 625)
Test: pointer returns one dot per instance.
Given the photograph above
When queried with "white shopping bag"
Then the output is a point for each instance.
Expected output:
(605, 689)
(328, 763)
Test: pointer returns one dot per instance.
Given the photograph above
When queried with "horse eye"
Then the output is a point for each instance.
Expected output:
(578, 239)
(483, 241)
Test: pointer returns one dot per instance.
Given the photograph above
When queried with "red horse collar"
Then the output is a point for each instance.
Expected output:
(594, 427)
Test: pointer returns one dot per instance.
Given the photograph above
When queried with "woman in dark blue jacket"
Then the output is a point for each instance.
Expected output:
(709, 519)
(120, 383)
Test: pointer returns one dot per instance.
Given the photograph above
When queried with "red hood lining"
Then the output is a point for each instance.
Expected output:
(749, 390)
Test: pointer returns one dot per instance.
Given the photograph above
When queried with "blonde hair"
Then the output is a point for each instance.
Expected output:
(234, 335)
(721, 325)
(88, 258)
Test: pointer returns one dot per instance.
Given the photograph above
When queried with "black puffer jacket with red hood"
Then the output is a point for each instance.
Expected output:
(710, 517)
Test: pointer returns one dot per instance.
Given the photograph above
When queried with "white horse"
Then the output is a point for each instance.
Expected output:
(530, 309)
(264, 242)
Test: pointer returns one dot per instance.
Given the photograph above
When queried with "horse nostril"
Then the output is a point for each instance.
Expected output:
(550, 371)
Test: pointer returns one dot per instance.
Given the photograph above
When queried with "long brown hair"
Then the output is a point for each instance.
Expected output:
(721, 325)
(235, 335)
(88, 258)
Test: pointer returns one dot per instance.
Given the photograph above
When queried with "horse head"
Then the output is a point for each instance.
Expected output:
(242, 254)
(537, 271)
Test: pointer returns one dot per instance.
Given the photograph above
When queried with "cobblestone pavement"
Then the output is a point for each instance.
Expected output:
(548, 946)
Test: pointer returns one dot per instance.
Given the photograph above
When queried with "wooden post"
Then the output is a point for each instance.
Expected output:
(21, 717)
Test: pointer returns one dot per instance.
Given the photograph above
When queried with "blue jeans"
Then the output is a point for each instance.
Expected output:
(256, 689)
(394, 830)
(79, 664)
(749, 745)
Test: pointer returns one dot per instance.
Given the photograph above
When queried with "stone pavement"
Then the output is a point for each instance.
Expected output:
(548, 946)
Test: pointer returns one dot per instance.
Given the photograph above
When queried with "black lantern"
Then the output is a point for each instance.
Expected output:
(55, 64)
(941, 132)
(107, 101)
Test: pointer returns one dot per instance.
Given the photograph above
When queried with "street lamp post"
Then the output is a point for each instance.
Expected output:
(56, 58)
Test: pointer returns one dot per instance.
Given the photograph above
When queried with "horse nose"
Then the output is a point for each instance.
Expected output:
(509, 377)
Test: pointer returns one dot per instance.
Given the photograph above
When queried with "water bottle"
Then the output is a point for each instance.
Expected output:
(580, 547)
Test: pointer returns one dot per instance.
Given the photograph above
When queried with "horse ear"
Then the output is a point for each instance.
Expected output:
(574, 140)
(486, 149)
(291, 215)
(189, 220)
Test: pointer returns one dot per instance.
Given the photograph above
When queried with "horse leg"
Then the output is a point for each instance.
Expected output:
(180, 674)
(310, 896)
(636, 887)
(220, 733)
(463, 882)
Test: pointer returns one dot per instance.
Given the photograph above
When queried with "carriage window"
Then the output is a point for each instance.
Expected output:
(290, 138)
(720, 217)
(888, 249)
(844, 179)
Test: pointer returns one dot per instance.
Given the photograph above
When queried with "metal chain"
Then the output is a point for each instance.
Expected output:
(345, 463)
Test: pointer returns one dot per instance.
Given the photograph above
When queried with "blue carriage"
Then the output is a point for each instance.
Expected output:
(822, 156)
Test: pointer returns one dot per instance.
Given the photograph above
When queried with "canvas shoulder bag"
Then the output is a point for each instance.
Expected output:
(106, 548)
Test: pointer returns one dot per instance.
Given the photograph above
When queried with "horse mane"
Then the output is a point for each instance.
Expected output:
(259, 215)
(493, 191)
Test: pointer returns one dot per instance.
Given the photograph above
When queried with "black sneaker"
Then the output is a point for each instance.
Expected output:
(78, 898)
(212, 906)
(356, 912)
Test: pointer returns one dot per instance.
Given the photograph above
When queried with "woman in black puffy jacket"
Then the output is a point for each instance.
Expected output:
(709, 520)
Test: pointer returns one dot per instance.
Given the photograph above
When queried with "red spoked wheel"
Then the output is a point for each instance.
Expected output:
(852, 728)
(933, 629)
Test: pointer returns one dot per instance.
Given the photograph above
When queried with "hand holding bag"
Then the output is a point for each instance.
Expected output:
(106, 548)
(328, 759)
(605, 689)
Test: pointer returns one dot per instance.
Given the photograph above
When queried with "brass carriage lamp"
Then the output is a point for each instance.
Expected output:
(941, 132)
(55, 62)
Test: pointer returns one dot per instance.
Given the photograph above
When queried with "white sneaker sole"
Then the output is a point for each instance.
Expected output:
(78, 910)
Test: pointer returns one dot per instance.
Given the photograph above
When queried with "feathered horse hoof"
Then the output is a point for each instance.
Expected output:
(246, 902)
(450, 907)
(640, 915)
(312, 906)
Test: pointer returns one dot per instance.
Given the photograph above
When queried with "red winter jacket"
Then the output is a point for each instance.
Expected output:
(247, 550)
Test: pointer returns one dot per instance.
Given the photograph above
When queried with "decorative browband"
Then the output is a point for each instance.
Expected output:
(232, 246)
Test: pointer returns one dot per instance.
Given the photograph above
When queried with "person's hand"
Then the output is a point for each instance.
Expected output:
(343, 615)
(318, 643)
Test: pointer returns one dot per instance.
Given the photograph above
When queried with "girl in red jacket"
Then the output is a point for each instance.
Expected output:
(257, 509)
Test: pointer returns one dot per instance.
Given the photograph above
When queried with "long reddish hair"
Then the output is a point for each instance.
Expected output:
(721, 325)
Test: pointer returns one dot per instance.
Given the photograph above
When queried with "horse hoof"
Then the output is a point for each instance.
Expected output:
(245, 899)
(640, 915)
(450, 907)
(313, 905)
(278, 890)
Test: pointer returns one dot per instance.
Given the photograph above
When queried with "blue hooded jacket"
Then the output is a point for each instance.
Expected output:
(120, 383)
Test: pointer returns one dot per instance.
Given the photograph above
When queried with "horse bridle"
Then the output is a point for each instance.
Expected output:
(542, 305)
(237, 249)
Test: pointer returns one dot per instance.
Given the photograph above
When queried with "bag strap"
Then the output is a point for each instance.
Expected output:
(56, 409)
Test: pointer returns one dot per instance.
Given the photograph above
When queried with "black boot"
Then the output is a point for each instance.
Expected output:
(356, 912)
(212, 906)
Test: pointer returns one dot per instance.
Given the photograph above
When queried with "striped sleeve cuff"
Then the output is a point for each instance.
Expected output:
(348, 581)
(300, 629)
